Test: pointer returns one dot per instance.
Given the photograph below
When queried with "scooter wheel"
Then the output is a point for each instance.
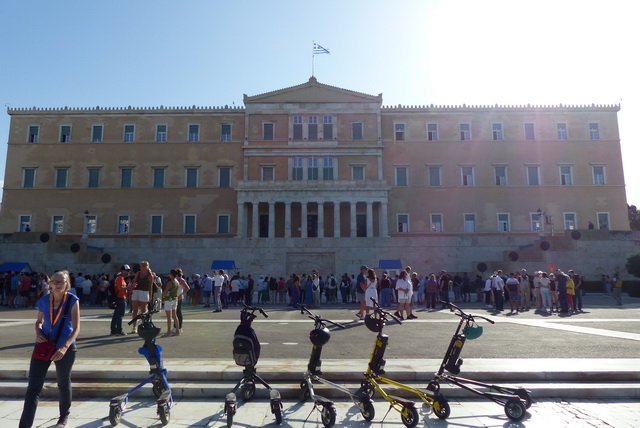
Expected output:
(409, 416)
(368, 389)
(158, 388)
(514, 409)
(277, 411)
(328, 415)
(441, 408)
(248, 391)
(229, 419)
(115, 414)
(368, 411)
(304, 391)
(165, 415)
(526, 397)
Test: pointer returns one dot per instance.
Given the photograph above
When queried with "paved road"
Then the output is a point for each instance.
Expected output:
(604, 330)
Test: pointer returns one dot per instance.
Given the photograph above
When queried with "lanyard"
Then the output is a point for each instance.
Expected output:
(58, 311)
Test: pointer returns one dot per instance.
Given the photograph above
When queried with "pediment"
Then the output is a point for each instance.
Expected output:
(312, 92)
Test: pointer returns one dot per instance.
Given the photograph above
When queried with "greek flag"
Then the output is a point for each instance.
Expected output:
(317, 49)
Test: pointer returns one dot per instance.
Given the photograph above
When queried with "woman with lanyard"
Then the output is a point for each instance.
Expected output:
(144, 282)
(58, 316)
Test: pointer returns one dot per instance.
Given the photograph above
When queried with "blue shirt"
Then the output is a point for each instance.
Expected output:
(44, 306)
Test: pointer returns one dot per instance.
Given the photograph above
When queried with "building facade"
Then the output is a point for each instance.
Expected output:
(312, 163)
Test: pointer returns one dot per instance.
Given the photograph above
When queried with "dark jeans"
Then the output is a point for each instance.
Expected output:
(37, 372)
(562, 299)
(577, 300)
(179, 314)
(498, 297)
(118, 314)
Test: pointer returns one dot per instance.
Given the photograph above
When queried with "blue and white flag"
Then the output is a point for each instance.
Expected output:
(317, 49)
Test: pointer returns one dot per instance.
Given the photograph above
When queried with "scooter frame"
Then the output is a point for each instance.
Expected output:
(362, 401)
(514, 400)
(373, 376)
(247, 384)
(161, 389)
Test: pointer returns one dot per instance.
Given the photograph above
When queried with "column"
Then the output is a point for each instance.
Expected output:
(336, 219)
(287, 219)
(303, 219)
(352, 214)
(272, 220)
(240, 227)
(384, 220)
(320, 219)
(255, 231)
(369, 219)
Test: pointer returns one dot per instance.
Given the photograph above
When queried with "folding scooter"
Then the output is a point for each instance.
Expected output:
(319, 337)
(153, 353)
(373, 377)
(514, 400)
(246, 352)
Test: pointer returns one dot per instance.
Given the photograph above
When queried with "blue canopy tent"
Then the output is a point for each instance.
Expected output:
(16, 267)
(390, 265)
(224, 265)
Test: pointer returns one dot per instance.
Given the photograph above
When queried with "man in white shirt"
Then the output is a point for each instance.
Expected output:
(218, 280)
(498, 291)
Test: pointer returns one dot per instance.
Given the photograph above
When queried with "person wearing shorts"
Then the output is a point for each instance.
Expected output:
(405, 294)
(170, 299)
(144, 282)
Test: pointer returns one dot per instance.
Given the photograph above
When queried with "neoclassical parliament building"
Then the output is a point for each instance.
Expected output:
(312, 176)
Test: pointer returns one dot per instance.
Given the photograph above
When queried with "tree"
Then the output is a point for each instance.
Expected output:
(634, 217)
(633, 265)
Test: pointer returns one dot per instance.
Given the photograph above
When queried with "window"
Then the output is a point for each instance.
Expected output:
(356, 131)
(500, 174)
(61, 177)
(94, 177)
(24, 223)
(432, 132)
(503, 222)
(496, 131)
(34, 134)
(569, 221)
(96, 133)
(594, 131)
(297, 169)
(268, 173)
(189, 224)
(225, 132)
(598, 175)
(126, 177)
(129, 133)
(327, 169)
(469, 223)
(191, 177)
(529, 132)
(566, 175)
(327, 127)
(561, 131)
(312, 168)
(467, 175)
(357, 172)
(533, 176)
(65, 134)
(57, 224)
(161, 133)
(403, 223)
(436, 222)
(399, 132)
(91, 224)
(297, 128)
(158, 177)
(28, 178)
(124, 224)
(224, 177)
(537, 221)
(267, 131)
(194, 133)
(223, 223)
(465, 131)
(156, 224)
(603, 221)
(435, 176)
(402, 176)
(313, 128)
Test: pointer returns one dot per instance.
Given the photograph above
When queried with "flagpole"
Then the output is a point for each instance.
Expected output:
(312, 58)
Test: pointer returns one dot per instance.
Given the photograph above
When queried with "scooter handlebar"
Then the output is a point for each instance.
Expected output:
(383, 314)
(464, 315)
(317, 318)
(252, 309)
(147, 314)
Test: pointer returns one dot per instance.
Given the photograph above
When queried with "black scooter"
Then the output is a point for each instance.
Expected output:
(514, 400)
(319, 337)
(246, 352)
(153, 353)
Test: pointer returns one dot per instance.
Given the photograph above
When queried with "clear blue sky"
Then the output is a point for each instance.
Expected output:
(116, 53)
